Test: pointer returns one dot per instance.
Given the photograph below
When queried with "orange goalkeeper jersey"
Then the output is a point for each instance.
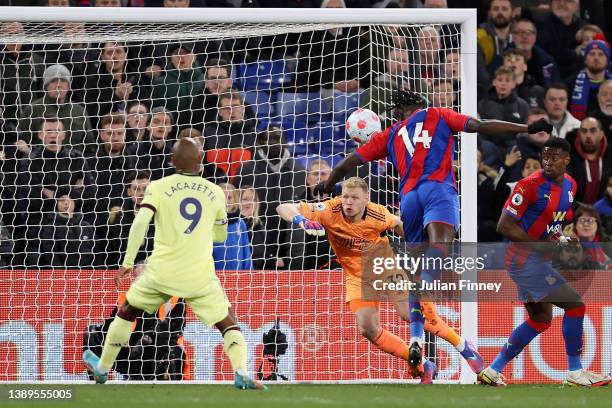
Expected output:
(349, 238)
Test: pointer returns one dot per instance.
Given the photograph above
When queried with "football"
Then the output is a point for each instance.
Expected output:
(362, 124)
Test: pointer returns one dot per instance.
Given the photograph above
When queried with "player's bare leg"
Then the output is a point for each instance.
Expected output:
(235, 348)
(368, 323)
(118, 335)
(441, 233)
(540, 316)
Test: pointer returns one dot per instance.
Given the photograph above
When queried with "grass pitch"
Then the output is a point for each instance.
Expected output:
(294, 396)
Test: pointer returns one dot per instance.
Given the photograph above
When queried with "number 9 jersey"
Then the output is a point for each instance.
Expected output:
(187, 208)
(422, 148)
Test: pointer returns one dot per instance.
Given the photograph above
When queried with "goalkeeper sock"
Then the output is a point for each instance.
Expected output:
(119, 333)
(571, 327)
(390, 343)
(235, 348)
(520, 337)
(417, 319)
(437, 326)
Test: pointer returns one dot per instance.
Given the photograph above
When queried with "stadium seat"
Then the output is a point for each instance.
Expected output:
(302, 107)
(297, 139)
(260, 102)
(265, 75)
(329, 138)
(343, 104)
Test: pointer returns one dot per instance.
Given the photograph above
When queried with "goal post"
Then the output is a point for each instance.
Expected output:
(268, 52)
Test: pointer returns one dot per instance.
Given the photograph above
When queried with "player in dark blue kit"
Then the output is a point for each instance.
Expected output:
(421, 146)
(535, 212)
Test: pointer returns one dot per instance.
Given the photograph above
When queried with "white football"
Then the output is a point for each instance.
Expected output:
(362, 124)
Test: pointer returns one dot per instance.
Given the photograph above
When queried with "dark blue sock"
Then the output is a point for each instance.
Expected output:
(520, 337)
(571, 328)
(417, 320)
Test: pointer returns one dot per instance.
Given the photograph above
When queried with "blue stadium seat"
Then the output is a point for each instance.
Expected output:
(260, 102)
(296, 139)
(301, 107)
(265, 75)
(329, 138)
(343, 104)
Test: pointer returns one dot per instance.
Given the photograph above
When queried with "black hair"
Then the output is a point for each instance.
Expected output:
(559, 86)
(558, 143)
(403, 98)
(138, 175)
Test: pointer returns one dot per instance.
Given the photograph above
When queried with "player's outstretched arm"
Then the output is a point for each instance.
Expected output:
(500, 127)
(288, 210)
(291, 212)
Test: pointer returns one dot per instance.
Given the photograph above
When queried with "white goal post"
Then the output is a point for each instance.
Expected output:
(128, 25)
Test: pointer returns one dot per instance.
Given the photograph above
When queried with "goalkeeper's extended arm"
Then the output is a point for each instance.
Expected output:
(291, 212)
(137, 235)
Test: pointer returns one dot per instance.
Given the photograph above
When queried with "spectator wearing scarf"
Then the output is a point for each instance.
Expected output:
(586, 83)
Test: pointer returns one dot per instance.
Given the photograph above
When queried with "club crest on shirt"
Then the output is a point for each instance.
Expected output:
(320, 206)
(517, 199)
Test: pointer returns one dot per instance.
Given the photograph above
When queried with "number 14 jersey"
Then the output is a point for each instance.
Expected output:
(420, 147)
(186, 209)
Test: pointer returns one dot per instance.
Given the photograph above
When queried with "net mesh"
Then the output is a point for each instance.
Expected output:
(123, 93)
(62, 33)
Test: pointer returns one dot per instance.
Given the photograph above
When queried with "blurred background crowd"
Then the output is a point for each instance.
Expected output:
(85, 127)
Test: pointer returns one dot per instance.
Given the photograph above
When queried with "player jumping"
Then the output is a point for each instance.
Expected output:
(421, 146)
(535, 212)
(354, 223)
(189, 214)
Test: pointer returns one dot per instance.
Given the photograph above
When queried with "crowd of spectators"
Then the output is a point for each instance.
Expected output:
(86, 127)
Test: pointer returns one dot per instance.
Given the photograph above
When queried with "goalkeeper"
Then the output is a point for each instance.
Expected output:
(186, 209)
(357, 231)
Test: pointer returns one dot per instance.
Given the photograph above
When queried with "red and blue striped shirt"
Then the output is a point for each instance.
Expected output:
(540, 205)
(421, 147)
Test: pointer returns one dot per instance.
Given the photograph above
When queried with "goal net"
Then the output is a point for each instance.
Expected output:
(91, 104)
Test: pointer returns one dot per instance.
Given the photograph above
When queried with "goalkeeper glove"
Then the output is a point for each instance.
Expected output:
(539, 126)
(311, 227)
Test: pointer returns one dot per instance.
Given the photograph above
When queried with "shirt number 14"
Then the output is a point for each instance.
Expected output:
(420, 136)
